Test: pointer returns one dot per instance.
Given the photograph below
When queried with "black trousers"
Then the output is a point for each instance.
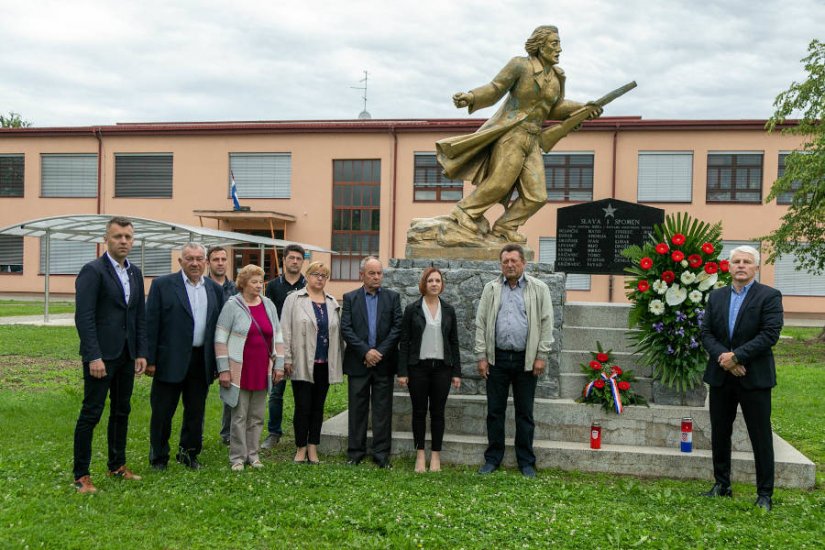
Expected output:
(309, 406)
(756, 409)
(164, 400)
(363, 391)
(429, 385)
(509, 370)
(118, 384)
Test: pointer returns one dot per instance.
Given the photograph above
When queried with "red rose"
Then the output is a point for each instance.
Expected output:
(711, 268)
(707, 248)
(599, 383)
(643, 286)
(695, 260)
(668, 276)
(677, 256)
(646, 263)
(678, 239)
(616, 369)
(624, 386)
(662, 248)
(602, 358)
(595, 365)
(724, 266)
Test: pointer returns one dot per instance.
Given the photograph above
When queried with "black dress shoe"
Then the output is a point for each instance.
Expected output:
(353, 462)
(488, 468)
(718, 490)
(384, 464)
(764, 502)
(159, 466)
(528, 471)
(189, 460)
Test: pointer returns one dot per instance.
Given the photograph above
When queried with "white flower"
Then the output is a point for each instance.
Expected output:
(719, 284)
(688, 277)
(675, 295)
(660, 286)
(707, 297)
(684, 263)
(656, 307)
(706, 280)
(695, 296)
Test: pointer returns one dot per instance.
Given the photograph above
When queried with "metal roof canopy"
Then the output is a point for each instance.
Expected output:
(148, 233)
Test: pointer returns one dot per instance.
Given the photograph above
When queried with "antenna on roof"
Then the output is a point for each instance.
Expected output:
(363, 115)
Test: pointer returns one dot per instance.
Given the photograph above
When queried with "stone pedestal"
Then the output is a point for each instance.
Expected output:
(695, 397)
(464, 281)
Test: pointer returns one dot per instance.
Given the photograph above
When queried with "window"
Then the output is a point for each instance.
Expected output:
(11, 175)
(11, 254)
(261, 175)
(430, 183)
(71, 175)
(569, 176)
(665, 177)
(143, 175)
(787, 196)
(66, 257)
(735, 177)
(727, 246)
(356, 216)
(791, 282)
(155, 261)
(547, 255)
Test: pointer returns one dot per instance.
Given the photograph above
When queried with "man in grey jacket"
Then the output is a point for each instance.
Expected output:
(514, 332)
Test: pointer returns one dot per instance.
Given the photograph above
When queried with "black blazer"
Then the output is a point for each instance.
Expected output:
(756, 331)
(170, 327)
(355, 330)
(412, 328)
(104, 321)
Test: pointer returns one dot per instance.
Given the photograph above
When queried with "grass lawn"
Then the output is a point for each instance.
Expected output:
(12, 308)
(333, 505)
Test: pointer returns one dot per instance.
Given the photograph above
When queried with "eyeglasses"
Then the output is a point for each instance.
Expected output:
(317, 275)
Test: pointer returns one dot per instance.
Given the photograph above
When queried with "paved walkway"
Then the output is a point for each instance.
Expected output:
(55, 320)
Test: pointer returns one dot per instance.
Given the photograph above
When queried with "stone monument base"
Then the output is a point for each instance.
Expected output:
(442, 237)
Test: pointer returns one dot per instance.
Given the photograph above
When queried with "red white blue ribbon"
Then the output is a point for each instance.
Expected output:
(614, 389)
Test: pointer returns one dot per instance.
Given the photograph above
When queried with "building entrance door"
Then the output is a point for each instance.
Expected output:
(246, 256)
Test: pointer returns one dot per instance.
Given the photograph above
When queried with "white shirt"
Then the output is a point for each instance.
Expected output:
(198, 302)
(122, 274)
(432, 341)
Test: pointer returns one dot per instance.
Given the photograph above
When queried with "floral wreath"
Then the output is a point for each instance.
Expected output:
(608, 384)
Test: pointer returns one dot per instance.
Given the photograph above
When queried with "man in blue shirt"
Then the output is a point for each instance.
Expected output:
(741, 325)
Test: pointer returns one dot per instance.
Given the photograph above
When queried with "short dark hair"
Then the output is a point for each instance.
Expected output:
(512, 247)
(119, 220)
(422, 283)
(294, 248)
(212, 250)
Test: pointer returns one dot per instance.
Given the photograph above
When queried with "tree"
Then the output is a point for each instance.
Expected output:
(802, 231)
(14, 120)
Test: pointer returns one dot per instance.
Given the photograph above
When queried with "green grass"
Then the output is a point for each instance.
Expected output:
(334, 506)
(12, 308)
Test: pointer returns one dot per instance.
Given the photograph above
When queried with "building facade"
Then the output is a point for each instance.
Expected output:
(354, 186)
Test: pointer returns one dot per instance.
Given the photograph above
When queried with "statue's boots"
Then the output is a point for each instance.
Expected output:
(478, 225)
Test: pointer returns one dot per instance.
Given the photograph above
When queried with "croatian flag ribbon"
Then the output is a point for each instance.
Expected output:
(614, 389)
(234, 191)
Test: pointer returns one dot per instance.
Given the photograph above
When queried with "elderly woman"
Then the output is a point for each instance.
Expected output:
(248, 342)
(313, 356)
(429, 361)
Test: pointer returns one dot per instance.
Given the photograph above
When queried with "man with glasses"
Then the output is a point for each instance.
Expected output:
(277, 290)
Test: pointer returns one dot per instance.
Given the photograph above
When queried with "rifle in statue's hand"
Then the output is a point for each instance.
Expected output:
(552, 135)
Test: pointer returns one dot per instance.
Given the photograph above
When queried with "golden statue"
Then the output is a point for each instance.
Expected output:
(504, 154)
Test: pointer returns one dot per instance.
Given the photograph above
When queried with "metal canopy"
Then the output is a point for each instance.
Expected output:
(148, 233)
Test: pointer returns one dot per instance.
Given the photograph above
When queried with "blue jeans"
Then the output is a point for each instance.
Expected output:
(276, 408)
(509, 369)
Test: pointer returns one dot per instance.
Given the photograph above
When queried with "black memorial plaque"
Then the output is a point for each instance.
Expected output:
(590, 237)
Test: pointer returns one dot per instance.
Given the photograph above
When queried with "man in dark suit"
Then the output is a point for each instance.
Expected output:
(741, 325)
(181, 314)
(371, 327)
(111, 324)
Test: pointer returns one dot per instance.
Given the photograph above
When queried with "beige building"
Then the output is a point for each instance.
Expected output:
(354, 186)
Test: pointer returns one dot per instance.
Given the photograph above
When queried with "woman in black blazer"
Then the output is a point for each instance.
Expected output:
(429, 363)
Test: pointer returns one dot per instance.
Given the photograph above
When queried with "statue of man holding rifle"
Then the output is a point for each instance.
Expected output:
(504, 155)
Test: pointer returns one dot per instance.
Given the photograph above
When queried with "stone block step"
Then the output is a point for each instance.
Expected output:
(792, 468)
(575, 337)
(571, 386)
(596, 314)
(571, 359)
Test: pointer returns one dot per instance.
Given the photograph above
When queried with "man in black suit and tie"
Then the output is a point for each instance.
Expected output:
(111, 324)
(181, 314)
(371, 327)
(741, 325)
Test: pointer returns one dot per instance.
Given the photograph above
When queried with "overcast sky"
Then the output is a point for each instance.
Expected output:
(88, 62)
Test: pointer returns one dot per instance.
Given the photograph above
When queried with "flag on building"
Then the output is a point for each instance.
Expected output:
(234, 191)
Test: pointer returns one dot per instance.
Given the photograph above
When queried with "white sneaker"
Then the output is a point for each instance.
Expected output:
(237, 467)
(257, 464)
